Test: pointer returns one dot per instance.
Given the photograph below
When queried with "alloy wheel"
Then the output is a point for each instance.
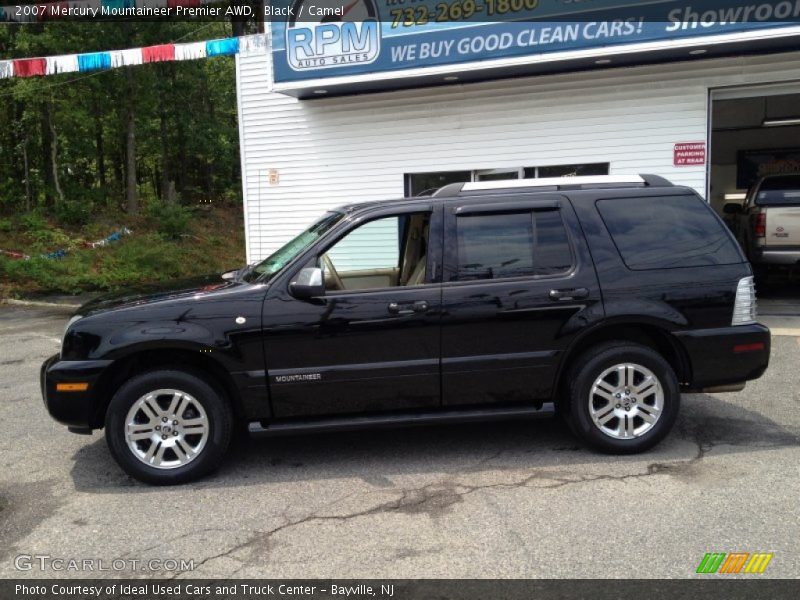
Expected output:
(626, 401)
(166, 428)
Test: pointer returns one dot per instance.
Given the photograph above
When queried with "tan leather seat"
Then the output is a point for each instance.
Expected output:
(418, 274)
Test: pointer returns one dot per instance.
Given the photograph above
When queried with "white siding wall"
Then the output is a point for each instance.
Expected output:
(331, 151)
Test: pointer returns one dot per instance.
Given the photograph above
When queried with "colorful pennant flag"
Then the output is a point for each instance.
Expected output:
(95, 61)
(28, 67)
(66, 63)
(190, 51)
(126, 58)
(252, 44)
(222, 47)
(160, 53)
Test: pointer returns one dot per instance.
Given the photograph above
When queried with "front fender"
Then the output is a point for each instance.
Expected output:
(117, 340)
(138, 337)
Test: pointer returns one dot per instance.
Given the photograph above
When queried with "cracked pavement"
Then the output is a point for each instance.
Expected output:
(515, 499)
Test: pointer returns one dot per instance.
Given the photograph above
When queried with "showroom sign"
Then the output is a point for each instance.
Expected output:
(363, 37)
(688, 154)
(753, 164)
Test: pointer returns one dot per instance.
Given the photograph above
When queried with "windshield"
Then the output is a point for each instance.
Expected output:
(268, 267)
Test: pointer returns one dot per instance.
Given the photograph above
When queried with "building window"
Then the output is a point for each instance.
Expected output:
(420, 184)
(568, 170)
(497, 174)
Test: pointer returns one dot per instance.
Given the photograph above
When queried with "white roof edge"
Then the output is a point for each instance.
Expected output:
(552, 181)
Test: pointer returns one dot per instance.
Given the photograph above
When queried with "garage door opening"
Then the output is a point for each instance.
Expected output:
(755, 133)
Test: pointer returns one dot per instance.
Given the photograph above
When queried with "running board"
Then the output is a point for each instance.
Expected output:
(258, 429)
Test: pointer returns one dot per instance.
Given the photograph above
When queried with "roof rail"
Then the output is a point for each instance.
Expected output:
(555, 183)
(656, 180)
(451, 189)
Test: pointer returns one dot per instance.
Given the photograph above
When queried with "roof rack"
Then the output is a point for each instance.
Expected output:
(556, 183)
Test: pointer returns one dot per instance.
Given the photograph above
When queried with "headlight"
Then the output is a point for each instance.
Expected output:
(69, 324)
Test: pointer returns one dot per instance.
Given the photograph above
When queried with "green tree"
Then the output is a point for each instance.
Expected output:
(161, 133)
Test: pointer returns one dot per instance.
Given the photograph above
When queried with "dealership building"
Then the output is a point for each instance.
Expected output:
(385, 105)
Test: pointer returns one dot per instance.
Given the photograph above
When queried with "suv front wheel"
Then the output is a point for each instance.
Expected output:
(623, 397)
(168, 427)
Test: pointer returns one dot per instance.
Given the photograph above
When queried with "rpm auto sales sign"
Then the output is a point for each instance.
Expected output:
(320, 37)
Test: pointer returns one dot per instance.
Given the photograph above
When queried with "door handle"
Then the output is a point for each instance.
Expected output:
(420, 306)
(407, 308)
(569, 294)
(394, 309)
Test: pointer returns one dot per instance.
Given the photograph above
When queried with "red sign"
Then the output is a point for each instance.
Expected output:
(690, 153)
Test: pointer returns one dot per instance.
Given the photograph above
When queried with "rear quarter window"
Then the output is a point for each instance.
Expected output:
(668, 232)
(779, 191)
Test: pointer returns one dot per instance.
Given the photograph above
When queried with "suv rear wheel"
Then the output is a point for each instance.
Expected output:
(168, 427)
(623, 397)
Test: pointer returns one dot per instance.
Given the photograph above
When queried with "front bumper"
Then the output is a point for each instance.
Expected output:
(78, 410)
(726, 356)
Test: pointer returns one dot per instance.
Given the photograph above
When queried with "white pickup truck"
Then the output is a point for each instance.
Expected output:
(767, 225)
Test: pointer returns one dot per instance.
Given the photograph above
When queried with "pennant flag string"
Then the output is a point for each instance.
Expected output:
(113, 59)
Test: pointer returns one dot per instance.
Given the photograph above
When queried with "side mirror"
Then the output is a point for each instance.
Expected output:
(308, 284)
(732, 208)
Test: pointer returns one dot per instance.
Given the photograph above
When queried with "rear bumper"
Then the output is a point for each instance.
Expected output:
(765, 255)
(76, 409)
(727, 356)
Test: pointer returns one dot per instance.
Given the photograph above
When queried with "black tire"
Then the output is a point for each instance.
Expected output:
(590, 366)
(219, 419)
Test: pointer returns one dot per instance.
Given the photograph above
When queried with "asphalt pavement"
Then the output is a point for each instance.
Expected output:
(517, 499)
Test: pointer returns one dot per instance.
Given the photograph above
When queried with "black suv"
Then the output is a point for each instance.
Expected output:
(601, 298)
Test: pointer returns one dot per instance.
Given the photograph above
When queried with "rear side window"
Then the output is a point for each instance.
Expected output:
(668, 232)
(779, 191)
(498, 246)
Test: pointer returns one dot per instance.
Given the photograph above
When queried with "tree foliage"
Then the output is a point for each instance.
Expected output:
(116, 140)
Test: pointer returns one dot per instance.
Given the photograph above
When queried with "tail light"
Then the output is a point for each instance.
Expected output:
(756, 347)
(761, 225)
(744, 307)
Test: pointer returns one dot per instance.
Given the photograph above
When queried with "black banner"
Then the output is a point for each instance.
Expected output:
(713, 588)
(753, 164)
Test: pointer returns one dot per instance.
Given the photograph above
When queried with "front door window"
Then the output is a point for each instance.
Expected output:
(383, 253)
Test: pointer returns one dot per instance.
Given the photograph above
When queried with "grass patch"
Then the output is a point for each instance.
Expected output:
(164, 245)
